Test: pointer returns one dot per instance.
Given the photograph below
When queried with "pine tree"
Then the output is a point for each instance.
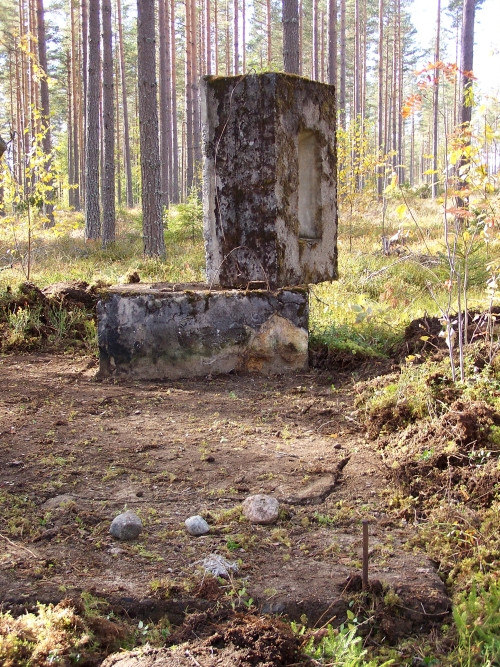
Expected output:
(152, 224)
(92, 152)
(108, 124)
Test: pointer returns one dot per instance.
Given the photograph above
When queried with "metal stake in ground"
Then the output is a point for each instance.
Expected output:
(365, 554)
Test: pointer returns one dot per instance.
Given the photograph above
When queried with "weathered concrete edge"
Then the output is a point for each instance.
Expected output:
(148, 333)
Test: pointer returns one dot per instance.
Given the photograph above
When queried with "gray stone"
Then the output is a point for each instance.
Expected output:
(261, 509)
(315, 492)
(218, 566)
(126, 526)
(196, 525)
(270, 198)
(58, 501)
(163, 331)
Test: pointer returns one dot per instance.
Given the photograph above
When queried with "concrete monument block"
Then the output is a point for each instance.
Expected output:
(171, 331)
(270, 197)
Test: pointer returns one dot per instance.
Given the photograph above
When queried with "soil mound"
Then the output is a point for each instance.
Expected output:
(247, 641)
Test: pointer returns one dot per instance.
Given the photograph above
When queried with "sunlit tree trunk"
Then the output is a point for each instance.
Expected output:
(73, 111)
(291, 53)
(108, 126)
(216, 37)
(165, 110)
(401, 139)
(195, 91)
(236, 52)
(84, 65)
(467, 58)
(357, 61)
(208, 37)
(435, 109)
(189, 96)
(119, 149)
(126, 126)
(243, 36)
(45, 110)
(466, 64)
(301, 36)
(342, 93)
(175, 140)
(92, 207)
(269, 34)
(380, 85)
(315, 49)
(152, 224)
(332, 42)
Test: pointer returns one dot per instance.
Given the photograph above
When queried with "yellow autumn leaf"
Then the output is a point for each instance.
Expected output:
(401, 210)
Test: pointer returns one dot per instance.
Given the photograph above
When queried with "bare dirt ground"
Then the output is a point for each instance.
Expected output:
(75, 452)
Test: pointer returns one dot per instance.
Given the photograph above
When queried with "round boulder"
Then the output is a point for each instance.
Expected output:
(261, 509)
(126, 526)
(196, 525)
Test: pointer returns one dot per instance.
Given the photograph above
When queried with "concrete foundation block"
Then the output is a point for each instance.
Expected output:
(168, 331)
(270, 198)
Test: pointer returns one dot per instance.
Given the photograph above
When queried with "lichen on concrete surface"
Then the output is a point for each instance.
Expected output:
(152, 332)
(270, 197)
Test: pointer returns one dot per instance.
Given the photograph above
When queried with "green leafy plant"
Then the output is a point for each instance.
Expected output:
(477, 618)
(340, 645)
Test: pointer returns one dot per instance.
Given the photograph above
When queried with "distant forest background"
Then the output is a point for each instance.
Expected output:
(78, 64)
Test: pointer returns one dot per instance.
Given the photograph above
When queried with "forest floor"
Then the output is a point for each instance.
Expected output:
(76, 451)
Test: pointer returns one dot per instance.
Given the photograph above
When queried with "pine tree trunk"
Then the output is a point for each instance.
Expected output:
(243, 36)
(467, 58)
(208, 37)
(342, 96)
(152, 224)
(357, 63)
(45, 112)
(165, 111)
(435, 110)
(315, 55)
(301, 36)
(85, 67)
(73, 111)
(126, 127)
(291, 53)
(216, 37)
(119, 151)
(188, 83)
(322, 47)
(380, 110)
(269, 35)
(92, 207)
(195, 96)
(69, 116)
(401, 169)
(236, 38)
(175, 140)
(332, 42)
(168, 101)
(108, 107)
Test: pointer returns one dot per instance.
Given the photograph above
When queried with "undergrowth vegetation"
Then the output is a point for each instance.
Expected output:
(73, 632)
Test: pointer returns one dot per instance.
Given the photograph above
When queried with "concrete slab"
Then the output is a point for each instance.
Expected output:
(174, 331)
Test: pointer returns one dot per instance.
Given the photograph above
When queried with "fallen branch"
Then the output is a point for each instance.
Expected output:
(18, 546)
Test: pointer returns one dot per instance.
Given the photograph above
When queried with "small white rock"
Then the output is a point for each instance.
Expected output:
(196, 525)
(126, 526)
(218, 566)
(261, 509)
